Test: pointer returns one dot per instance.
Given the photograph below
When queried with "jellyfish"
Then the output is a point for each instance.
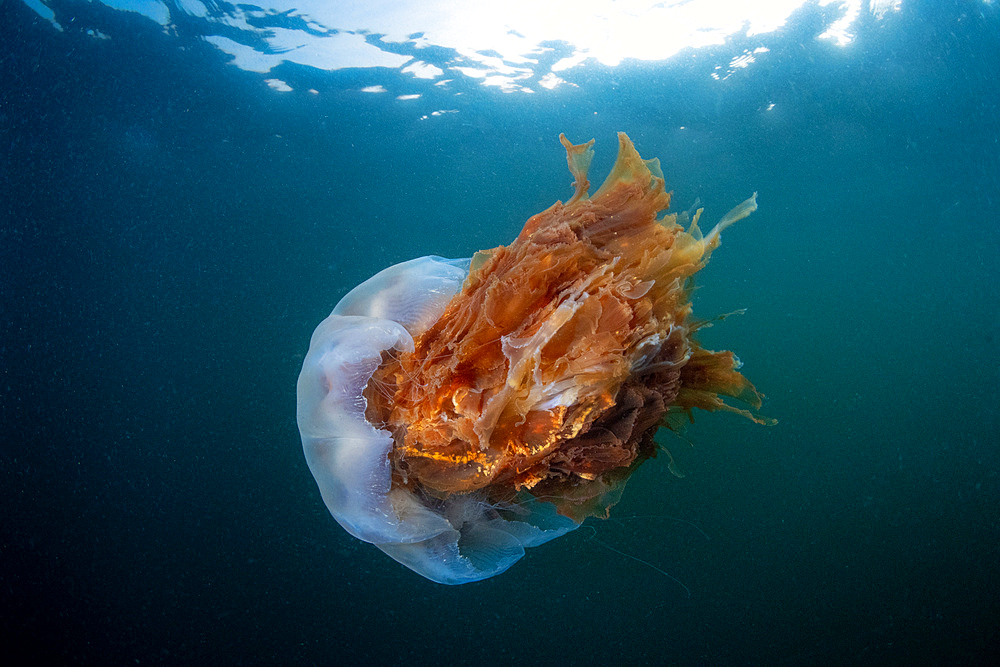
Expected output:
(457, 412)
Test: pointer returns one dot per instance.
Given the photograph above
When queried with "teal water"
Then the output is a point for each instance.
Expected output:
(172, 230)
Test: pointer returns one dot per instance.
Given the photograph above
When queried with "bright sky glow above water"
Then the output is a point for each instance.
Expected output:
(516, 46)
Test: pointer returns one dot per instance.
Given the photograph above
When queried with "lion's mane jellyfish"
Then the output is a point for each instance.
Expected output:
(454, 412)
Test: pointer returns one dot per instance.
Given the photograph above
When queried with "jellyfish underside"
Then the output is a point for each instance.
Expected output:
(456, 412)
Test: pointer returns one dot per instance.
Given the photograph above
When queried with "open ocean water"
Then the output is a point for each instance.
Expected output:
(187, 188)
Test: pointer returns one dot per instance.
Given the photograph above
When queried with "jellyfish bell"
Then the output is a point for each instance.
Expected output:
(456, 412)
(450, 540)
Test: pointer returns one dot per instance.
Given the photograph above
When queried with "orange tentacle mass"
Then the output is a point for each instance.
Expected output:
(564, 351)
